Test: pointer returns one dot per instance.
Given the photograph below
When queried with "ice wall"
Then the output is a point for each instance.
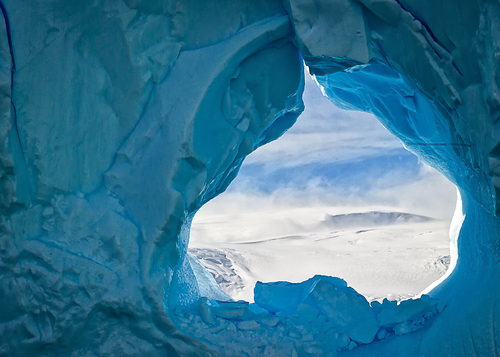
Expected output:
(121, 118)
(429, 71)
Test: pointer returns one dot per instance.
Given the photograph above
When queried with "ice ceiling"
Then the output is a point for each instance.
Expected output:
(119, 119)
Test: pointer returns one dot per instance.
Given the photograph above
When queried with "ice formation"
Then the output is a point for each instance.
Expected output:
(121, 118)
(327, 318)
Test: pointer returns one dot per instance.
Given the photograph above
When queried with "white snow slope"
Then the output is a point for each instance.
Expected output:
(378, 252)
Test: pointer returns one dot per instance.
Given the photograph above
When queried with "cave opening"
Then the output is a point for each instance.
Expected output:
(337, 195)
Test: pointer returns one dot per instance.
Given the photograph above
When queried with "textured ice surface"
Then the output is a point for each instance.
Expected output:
(342, 306)
(125, 118)
(427, 63)
(285, 296)
(119, 119)
(331, 318)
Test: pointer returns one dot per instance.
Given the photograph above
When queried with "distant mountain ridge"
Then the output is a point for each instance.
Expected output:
(372, 218)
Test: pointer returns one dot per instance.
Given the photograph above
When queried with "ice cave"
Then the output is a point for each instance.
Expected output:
(121, 118)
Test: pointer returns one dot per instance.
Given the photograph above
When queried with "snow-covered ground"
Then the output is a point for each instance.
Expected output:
(378, 252)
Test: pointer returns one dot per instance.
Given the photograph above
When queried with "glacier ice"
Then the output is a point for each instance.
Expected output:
(346, 310)
(121, 118)
(330, 319)
(285, 296)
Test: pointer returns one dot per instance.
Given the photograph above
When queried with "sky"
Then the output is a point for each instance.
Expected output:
(331, 158)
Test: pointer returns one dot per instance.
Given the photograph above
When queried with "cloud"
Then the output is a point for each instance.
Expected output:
(360, 173)
(330, 160)
(249, 214)
(427, 192)
(325, 134)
